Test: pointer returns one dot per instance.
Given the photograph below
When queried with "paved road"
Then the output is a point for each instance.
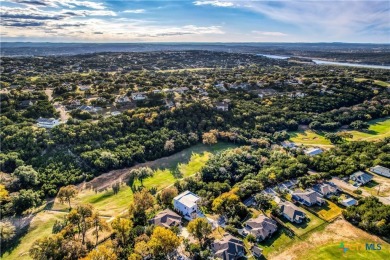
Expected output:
(347, 186)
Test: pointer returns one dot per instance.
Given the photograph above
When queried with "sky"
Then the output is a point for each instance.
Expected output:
(366, 21)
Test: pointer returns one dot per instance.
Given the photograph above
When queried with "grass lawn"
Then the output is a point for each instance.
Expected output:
(303, 228)
(107, 202)
(376, 82)
(281, 239)
(195, 164)
(328, 211)
(309, 137)
(40, 226)
(378, 129)
(356, 250)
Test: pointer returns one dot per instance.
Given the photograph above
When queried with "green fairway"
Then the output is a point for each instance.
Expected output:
(309, 137)
(378, 129)
(108, 203)
(376, 82)
(40, 226)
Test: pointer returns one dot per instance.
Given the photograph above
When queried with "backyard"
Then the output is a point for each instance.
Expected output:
(328, 211)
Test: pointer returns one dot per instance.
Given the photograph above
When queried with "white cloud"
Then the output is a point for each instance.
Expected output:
(214, 3)
(135, 11)
(270, 33)
(61, 3)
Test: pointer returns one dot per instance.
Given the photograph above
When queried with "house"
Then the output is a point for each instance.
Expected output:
(221, 87)
(308, 198)
(222, 106)
(181, 90)
(349, 202)
(186, 203)
(26, 103)
(325, 189)
(287, 144)
(156, 91)
(381, 170)
(74, 104)
(361, 177)
(261, 227)
(47, 122)
(292, 212)
(313, 151)
(84, 87)
(256, 251)
(115, 113)
(166, 218)
(122, 99)
(138, 96)
(228, 248)
(90, 109)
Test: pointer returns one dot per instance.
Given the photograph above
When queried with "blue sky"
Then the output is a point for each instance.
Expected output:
(195, 21)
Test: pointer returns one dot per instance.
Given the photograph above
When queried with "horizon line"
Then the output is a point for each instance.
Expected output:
(187, 42)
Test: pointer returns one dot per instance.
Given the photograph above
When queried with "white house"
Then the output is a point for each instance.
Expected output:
(48, 122)
(313, 151)
(187, 204)
(222, 106)
(349, 202)
(138, 96)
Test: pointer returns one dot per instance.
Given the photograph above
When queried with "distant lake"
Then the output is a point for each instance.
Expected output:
(323, 62)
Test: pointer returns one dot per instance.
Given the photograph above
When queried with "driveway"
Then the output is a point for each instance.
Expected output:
(349, 187)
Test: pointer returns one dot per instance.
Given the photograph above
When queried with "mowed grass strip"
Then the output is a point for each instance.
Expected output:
(378, 129)
(41, 225)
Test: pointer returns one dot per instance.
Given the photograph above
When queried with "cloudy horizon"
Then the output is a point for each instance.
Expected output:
(195, 21)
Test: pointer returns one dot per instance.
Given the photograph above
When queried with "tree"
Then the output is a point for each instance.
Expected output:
(167, 195)
(122, 229)
(7, 231)
(200, 228)
(333, 138)
(98, 225)
(47, 248)
(163, 242)
(66, 193)
(169, 145)
(209, 138)
(24, 200)
(143, 200)
(27, 176)
(143, 173)
(82, 218)
(142, 248)
(359, 125)
(4, 195)
(263, 201)
(103, 252)
(225, 203)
